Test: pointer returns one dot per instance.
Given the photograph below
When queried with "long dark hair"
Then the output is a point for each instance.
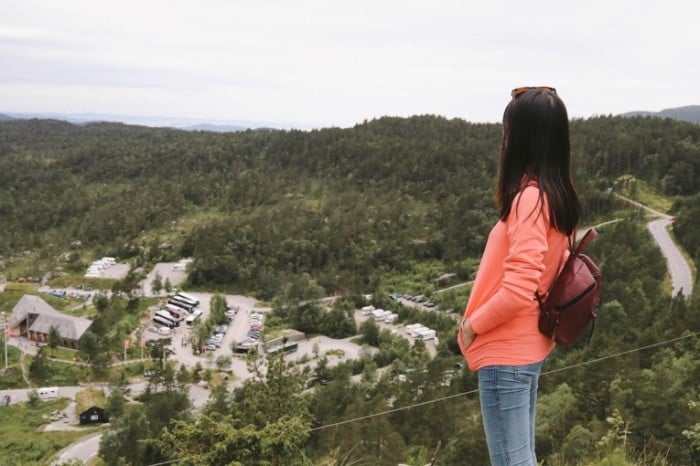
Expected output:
(536, 147)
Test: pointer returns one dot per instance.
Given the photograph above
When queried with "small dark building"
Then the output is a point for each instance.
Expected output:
(94, 415)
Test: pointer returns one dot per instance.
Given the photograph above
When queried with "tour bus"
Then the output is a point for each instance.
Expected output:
(166, 322)
(187, 297)
(187, 301)
(169, 316)
(181, 304)
(182, 299)
(193, 318)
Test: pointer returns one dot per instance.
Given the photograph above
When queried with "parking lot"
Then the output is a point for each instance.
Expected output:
(334, 349)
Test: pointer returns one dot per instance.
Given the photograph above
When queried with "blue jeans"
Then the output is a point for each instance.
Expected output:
(508, 396)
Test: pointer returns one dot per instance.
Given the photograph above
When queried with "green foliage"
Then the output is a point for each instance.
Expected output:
(132, 424)
(267, 423)
(19, 442)
(386, 206)
(311, 318)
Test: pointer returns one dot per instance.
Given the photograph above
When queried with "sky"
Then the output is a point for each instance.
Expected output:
(319, 63)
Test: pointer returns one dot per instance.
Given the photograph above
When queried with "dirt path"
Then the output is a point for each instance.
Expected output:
(25, 375)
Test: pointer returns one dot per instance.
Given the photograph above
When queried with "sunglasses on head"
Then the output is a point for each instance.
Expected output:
(521, 90)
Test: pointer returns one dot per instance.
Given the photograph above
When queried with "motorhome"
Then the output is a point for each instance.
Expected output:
(367, 310)
(46, 393)
(426, 334)
(411, 328)
(391, 318)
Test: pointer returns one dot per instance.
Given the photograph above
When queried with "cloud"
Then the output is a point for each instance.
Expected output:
(336, 63)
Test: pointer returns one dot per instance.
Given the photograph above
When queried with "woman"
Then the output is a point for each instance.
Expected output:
(538, 210)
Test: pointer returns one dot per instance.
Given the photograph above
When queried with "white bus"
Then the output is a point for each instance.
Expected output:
(167, 322)
(181, 304)
(187, 298)
(193, 317)
(168, 316)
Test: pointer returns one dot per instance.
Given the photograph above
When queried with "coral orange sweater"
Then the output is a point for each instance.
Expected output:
(522, 255)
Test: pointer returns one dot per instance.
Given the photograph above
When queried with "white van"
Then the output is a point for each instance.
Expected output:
(46, 393)
(193, 317)
(391, 318)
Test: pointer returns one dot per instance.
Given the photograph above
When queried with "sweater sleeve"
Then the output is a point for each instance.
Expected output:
(527, 227)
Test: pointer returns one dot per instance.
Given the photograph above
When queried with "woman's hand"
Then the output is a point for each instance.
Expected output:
(467, 333)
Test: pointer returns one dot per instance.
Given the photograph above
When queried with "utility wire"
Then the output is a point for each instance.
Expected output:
(471, 392)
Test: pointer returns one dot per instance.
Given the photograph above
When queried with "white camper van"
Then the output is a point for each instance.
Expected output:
(47, 393)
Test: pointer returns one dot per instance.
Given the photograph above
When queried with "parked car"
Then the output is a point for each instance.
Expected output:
(214, 341)
(152, 329)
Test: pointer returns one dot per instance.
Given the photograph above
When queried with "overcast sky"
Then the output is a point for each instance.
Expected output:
(310, 64)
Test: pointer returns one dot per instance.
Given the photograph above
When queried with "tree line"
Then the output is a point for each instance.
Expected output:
(291, 216)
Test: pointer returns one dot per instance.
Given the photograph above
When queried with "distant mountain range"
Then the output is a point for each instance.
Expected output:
(688, 113)
(189, 124)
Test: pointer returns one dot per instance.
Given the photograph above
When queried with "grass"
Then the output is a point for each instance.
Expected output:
(61, 374)
(79, 281)
(12, 378)
(14, 292)
(88, 398)
(20, 441)
(640, 191)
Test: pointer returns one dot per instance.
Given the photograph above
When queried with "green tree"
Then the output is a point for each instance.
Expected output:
(157, 284)
(223, 363)
(101, 302)
(39, 369)
(54, 339)
(268, 424)
(370, 332)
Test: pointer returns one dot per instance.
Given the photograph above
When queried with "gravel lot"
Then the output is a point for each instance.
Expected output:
(167, 270)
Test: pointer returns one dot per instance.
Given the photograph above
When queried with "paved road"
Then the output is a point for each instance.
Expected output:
(335, 350)
(681, 275)
(84, 450)
(678, 267)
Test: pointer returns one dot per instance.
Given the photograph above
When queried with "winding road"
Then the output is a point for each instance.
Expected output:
(678, 267)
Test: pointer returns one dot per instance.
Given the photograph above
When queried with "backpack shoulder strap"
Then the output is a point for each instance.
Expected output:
(586, 240)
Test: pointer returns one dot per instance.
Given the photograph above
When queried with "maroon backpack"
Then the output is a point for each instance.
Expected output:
(570, 304)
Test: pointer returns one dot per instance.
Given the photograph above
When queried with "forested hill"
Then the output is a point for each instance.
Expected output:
(339, 204)
(688, 113)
